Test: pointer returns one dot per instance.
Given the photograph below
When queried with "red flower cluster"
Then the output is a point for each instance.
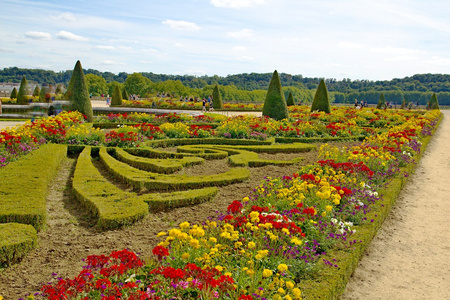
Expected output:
(160, 252)
(234, 207)
(347, 166)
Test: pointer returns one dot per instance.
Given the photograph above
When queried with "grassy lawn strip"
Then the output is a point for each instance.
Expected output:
(334, 280)
(166, 166)
(113, 207)
(152, 181)
(24, 187)
(163, 201)
(16, 240)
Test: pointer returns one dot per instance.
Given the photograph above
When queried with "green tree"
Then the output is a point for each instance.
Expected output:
(13, 93)
(137, 84)
(77, 93)
(58, 89)
(275, 105)
(217, 102)
(125, 95)
(23, 90)
(112, 86)
(43, 94)
(96, 84)
(116, 97)
(36, 91)
(433, 104)
(321, 101)
(290, 100)
(382, 102)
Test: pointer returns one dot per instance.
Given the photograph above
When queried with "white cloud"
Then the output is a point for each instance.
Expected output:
(178, 45)
(67, 17)
(65, 35)
(394, 50)
(350, 45)
(245, 58)
(181, 25)
(236, 3)
(38, 35)
(110, 63)
(241, 34)
(103, 47)
(239, 48)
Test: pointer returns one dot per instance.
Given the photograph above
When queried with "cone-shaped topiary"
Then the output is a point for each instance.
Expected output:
(36, 91)
(290, 100)
(275, 105)
(23, 89)
(116, 97)
(77, 93)
(125, 94)
(42, 93)
(217, 98)
(321, 101)
(433, 104)
(381, 102)
(13, 94)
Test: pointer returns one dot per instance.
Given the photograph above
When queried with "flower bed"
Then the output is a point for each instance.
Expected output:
(279, 241)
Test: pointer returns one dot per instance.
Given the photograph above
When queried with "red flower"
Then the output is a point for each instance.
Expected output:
(234, 207)
(160, 252)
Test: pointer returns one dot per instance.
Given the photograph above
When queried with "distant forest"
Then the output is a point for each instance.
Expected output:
(417, 88)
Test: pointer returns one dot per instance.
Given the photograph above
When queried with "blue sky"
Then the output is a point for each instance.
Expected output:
(354, 39)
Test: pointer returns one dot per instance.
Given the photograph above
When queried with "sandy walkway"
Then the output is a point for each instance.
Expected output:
(409, 258)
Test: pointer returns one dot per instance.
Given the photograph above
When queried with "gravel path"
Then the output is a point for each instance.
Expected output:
(409, 258)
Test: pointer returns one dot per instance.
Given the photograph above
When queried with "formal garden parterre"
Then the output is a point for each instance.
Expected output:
(295, 236)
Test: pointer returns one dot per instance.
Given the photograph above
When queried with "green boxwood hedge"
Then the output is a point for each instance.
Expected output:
(16, 240)
(24, 187)
(198, 141)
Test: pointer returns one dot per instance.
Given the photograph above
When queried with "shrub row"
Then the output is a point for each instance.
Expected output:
(166, 166)
(16, 240)
(112, 207)
(334, 280)
(152, 181)
(24, 188)
(197, 141)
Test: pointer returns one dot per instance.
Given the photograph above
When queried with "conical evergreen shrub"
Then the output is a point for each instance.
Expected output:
(125, 94)
(382, 102)
(77, 93)
(36, 91)
(321, 101)
(275, 105)
(116, 97)
(290, 100)
(433, 104)
(23, 89)
(13, 94)
(42, 93)
(217, 98)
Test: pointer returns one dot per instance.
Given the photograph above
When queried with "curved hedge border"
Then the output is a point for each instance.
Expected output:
(24, 190)
(165, 166)
(113, 207)
(152, 181)
(16, 240)
(334, 280)
(199, 141)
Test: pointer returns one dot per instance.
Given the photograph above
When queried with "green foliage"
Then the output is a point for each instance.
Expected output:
(112, 86)
(137, 84)
(16, 240)
(13, 94)
(125, 94)
(275, 105)
(42, 93)
(35, 172)
(290, 100)
(59, 89)
(36, 91)
(217, 98)
(321, 101)
(77, 93)
(381, 102)
(116, 97)
(23, 90)
(433, 104)
(96, 85)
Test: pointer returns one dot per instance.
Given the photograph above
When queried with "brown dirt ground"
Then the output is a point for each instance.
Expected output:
(69, 236)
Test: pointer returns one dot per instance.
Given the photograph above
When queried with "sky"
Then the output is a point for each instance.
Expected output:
(355, 39)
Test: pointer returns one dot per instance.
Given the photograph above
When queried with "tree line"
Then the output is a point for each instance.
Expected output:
(247, 87)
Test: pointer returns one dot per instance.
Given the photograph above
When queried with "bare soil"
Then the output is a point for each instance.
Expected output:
(69, 236)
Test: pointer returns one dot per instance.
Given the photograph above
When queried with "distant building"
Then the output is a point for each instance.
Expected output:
(7, 87)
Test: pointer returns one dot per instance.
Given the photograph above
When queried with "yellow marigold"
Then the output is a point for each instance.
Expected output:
(297, 293)
(267, 273)
(290, 284)
(281, 291)
(185, 256)
(162, 233)
(185, 225)
(219, 268)
(282, 267)
(251, 245)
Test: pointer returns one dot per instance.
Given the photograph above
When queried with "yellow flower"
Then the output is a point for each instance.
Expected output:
(328, 208)
(282, 267)
(290, 284)
(162, 233)
(281, 291)
(194, 243)
(184, 225)
(219, 268)
(213, 240)
(185, 256)
(297, 293)
(296, 241)
(267, 273)
(251, 245)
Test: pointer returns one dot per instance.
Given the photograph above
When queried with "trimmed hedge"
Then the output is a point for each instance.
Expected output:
(206, 153)
(165, 166)
(198, 141)
(292, 148)
(153, 153)
(163, 201)
(152, 181)
(334, 280)
(16, 240)
(23, 193)
(113, 207)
